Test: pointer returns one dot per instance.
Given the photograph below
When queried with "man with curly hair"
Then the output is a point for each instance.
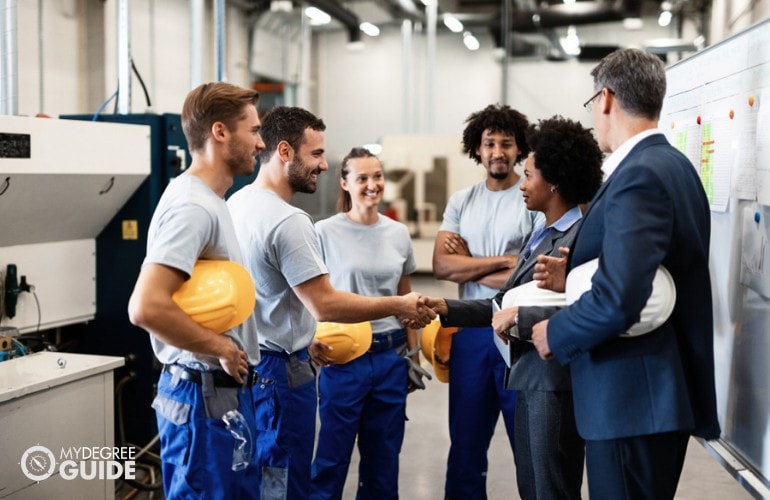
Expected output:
(476, 247)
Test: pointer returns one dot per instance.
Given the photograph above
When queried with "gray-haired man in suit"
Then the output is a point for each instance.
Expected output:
(637, 400)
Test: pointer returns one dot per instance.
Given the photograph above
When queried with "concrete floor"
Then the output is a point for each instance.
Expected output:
(423, 456)
(423, 459)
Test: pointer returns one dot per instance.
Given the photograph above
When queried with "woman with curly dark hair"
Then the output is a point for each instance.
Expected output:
(562, 171)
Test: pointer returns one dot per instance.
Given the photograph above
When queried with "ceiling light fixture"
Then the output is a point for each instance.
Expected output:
(470, 41)
(369, 28)
(665, 18)
(665, 14)
(571, 42)
(454, 24)
(317, 16)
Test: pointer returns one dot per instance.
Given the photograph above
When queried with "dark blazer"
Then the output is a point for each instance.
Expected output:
(529, 372)
(652, 210)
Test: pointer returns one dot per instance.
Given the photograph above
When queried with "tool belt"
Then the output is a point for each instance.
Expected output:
(220, 377)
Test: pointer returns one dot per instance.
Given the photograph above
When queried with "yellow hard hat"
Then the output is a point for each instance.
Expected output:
(219, 295)
(349, 340)
(436, 344)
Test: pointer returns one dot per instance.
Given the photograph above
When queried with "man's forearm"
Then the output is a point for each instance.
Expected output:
(461, 268)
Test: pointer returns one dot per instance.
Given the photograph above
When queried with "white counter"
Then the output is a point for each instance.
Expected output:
(58, 401)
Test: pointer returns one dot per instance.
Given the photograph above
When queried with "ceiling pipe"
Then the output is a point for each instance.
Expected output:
(9, 98)
(124, 57)
(561, 15)
(196, 42)
(341, 14)
(220, 52)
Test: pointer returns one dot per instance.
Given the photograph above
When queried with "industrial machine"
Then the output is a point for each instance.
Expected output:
(120, 249)
(61, 182)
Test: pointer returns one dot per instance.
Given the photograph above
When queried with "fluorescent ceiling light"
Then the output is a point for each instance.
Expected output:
(280, 6)
(369, 28)
(317, 16)
(470, 41)
(571, 42)
(665, 18)
(453, 23)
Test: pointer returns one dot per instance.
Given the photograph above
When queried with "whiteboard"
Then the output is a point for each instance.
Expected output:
(717, 112)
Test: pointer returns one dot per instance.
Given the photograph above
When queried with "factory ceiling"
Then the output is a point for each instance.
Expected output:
(533, 27)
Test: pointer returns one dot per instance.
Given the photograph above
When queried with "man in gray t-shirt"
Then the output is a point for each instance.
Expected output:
(477, 247)
(280, 249)
(203, 371)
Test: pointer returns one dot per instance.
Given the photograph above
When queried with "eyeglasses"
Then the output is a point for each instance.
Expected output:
(589, 102)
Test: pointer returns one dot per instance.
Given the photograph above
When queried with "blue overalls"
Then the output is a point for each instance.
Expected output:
(365, 397)
(285, 412)
(477, 395)
(197, 449)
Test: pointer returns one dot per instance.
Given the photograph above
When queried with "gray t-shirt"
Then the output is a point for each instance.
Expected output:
(493, 223)
(367, 259)
(280, 247)
(190, 223)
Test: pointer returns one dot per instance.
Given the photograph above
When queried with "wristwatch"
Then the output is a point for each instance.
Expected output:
(513, 332)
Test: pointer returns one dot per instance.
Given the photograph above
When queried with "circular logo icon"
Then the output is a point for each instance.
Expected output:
(38, 463)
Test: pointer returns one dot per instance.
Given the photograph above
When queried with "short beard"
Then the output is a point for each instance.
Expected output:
(500, 176)
(298, 182)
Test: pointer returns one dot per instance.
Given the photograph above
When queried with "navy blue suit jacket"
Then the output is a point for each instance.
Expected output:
(652, 210)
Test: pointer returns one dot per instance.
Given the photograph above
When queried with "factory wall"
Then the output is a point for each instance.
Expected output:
(362, 95)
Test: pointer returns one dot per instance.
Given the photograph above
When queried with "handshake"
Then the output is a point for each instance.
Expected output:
(417, 310)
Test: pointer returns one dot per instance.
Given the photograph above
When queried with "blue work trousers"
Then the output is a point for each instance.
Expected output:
(477, 395)
(197, 451)
(285, 420)
(365, 397)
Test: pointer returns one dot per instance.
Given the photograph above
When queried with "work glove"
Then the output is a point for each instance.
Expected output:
(415, 371)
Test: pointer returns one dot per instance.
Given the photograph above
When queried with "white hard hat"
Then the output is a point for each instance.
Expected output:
(659, 305)
(529, 294)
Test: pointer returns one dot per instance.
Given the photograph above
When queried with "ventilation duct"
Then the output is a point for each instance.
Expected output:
(341, 14)
(559, 15)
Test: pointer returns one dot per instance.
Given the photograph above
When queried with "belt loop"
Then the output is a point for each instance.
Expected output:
(176, 375)
(207, 384)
